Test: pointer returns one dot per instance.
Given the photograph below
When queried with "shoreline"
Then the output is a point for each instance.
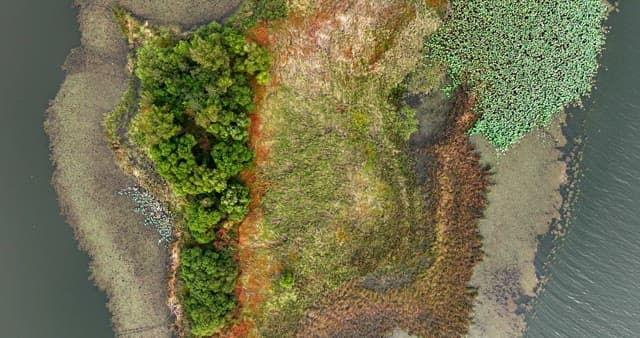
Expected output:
(548, 243)
(524, 202)
(126, 261)
(557, 164)
(124, 253)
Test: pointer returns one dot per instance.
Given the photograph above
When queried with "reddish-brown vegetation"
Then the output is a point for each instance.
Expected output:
(437, 304)
(255, 269)
(439, 5)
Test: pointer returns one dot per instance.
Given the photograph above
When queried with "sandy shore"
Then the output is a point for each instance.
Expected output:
(127, 262)
(523, 201)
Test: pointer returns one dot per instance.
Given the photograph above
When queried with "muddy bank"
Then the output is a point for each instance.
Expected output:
(523, 200)
(127, 262)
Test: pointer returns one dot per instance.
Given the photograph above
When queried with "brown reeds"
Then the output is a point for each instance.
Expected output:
(438, 303)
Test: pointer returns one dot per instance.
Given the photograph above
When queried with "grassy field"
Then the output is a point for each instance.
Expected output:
(339, 201)
(339, 206)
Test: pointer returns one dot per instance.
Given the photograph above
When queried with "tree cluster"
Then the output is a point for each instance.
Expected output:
(210, 277)
(195, 97)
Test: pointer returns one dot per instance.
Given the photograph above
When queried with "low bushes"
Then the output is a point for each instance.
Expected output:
(525, 60)
(254, 11)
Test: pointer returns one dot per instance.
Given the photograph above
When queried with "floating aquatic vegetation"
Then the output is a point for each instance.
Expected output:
(524, 59)
(156, 215)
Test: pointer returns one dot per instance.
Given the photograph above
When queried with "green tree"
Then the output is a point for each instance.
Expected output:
(231, 158)
(176, 163)
(234, 201)
(202, 222)
(154, 125)
(209, 277)
(195, 96)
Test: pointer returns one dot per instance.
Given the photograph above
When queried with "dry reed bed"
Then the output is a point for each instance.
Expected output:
(438, 303)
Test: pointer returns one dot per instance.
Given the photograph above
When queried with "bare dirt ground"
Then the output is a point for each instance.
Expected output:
(127, 262)
(523, 200)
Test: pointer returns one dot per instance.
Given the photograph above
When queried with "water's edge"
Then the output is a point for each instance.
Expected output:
(44, 274)
(592, 287)
(126, 260)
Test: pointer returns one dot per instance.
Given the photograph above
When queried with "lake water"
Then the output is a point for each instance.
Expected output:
(594, 288)
(44, 286)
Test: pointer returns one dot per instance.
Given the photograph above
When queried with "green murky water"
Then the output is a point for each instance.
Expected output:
(44, 286)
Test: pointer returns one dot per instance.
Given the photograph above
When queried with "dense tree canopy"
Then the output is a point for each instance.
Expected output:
(177, 164)
(199, 221)
(525, 60)
(195, 97)
(210, 276)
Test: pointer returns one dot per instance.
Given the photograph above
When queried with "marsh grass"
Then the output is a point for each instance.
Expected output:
(341, 201)
(86, 177)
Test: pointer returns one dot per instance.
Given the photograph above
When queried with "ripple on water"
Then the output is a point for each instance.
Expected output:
(594, 289)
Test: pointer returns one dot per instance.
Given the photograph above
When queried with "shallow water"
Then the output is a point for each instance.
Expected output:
(594, 286)
(44, 286)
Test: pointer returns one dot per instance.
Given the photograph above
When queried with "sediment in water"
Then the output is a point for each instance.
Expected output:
(522, 202)
(126, 262)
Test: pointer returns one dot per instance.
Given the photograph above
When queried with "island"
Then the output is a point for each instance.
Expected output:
(293, 168)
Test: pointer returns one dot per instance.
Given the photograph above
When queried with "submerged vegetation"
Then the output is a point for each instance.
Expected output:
(525, 60)
(156, 214)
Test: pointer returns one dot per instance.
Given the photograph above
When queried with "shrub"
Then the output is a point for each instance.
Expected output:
(153, 125)
(269, 9)
(234, 202)
(286, 280)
